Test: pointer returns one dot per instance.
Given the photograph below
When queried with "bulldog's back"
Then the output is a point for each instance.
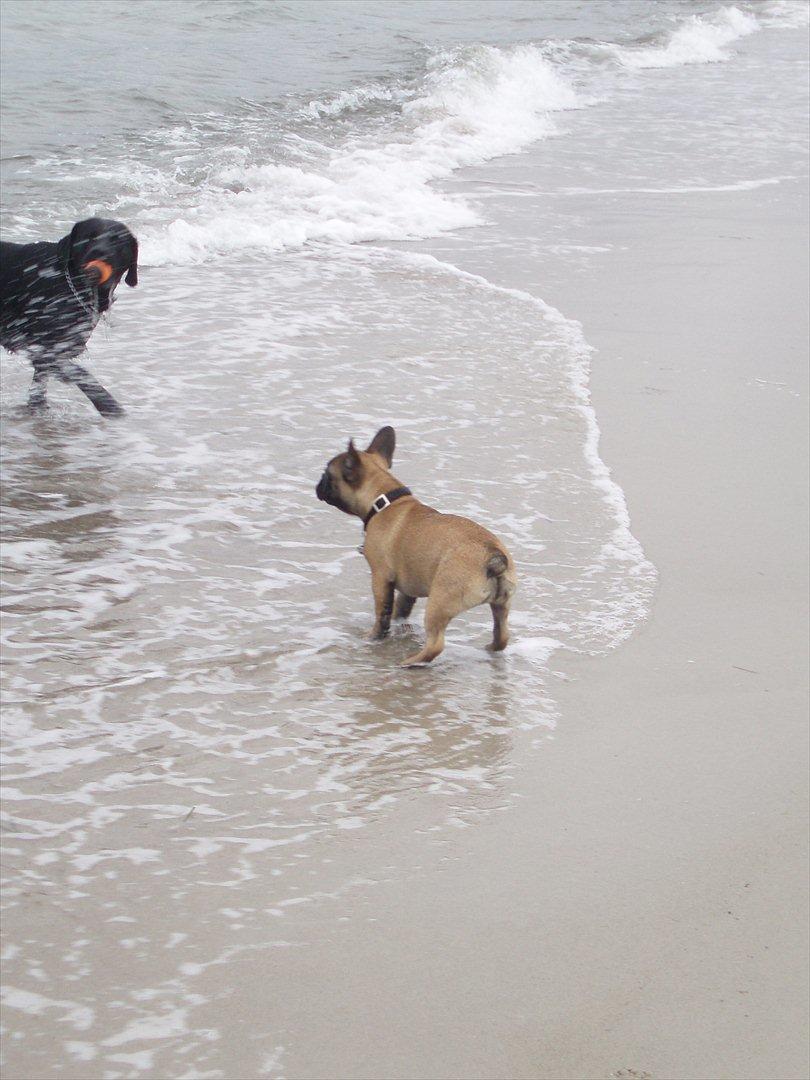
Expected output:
(418, 542)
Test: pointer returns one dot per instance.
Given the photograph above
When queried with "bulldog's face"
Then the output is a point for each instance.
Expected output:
(351, 480)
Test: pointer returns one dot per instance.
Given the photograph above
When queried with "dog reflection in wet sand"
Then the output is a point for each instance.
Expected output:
(417, 551)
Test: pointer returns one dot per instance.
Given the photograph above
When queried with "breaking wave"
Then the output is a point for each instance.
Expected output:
(476, 103)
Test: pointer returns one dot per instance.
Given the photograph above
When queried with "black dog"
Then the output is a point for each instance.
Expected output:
(52, 296)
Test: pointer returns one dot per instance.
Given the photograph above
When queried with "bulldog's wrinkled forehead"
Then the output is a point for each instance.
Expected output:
(336, 462)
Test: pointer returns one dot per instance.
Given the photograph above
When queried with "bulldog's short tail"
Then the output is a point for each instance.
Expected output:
(503, 586)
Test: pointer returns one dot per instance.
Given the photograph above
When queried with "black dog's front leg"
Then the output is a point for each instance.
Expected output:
(92, 388)
(37, 399)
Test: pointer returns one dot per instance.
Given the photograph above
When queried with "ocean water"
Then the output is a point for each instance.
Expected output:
(346, 213)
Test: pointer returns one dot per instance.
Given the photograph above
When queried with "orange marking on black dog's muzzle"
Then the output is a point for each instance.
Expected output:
(103, 269)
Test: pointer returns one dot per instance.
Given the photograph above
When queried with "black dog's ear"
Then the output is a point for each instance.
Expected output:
(350, 469)
(383, 444)
(132, 274)
(64, 249)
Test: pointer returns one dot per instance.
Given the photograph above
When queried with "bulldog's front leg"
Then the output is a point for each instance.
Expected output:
(383, 590)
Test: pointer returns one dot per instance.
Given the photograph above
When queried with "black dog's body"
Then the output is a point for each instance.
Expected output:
(51, 300)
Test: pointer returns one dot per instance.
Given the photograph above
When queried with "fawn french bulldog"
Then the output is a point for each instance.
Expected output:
(417, 551)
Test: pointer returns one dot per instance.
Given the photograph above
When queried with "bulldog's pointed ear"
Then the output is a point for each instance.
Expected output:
(350, 469)
(383, 444)
(132, 274)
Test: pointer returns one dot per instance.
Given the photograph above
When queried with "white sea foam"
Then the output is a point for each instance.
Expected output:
(701, 39)
(472, 103)
(78, 1016)
(358, 97)
(476, 103)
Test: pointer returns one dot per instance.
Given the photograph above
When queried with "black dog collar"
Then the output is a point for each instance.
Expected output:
(90, 309)
(382, 501)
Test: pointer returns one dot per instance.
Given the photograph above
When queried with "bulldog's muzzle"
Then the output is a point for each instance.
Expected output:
(328, 492)
(324, 487)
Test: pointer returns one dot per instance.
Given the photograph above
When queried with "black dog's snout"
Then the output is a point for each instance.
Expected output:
(323, 487)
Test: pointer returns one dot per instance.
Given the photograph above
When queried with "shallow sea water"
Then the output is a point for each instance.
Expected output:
(176, 578)
(191, 708)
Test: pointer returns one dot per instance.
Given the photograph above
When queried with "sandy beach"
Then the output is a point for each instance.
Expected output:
(642, 910)
(709, 702)
(241, 841)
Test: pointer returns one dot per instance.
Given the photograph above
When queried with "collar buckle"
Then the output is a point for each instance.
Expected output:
(382, 502)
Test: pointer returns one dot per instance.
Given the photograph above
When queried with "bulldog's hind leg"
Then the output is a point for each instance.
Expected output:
(502, 586)
(404, 605)
(438, 613)
(500, 628)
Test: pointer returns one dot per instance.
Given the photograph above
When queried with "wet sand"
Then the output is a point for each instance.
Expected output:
(642, 910)
(703, 769)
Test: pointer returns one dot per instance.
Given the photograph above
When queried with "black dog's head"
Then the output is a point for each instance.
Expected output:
(101, 249)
